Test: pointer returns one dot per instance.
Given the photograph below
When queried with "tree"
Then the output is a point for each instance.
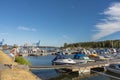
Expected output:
(65, 45)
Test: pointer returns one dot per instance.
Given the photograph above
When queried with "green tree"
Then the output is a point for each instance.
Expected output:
(65, 45)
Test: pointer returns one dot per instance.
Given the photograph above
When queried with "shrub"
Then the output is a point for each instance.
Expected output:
(22, 60)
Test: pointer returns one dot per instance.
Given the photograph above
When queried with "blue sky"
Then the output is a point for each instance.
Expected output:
(55, 22)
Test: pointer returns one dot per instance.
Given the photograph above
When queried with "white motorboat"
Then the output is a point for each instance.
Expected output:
(115, 68)
(64, 61)
(81, 58)
(61, 59)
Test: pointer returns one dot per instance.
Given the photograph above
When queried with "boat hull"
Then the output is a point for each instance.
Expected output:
(64, 61)
(113, 70)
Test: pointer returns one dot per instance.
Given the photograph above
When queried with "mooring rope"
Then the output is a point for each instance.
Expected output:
(105, 74)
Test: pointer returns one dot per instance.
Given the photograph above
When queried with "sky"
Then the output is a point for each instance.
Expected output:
(55, 22)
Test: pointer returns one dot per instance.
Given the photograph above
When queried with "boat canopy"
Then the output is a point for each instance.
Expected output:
(118, 65)
(59, 55)
(79, 55)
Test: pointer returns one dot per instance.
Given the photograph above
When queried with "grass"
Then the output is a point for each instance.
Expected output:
(4, 58)
(15, 73)
(22, 61)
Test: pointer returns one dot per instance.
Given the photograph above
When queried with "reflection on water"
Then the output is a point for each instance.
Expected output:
(114, 75)
(53, 74)
(46, 74)
(40, 60)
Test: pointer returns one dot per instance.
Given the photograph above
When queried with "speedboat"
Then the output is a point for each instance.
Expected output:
(93, 55)
(115, 68)
(81, 58)
(117, 56)
(60, 59)
(98, 57)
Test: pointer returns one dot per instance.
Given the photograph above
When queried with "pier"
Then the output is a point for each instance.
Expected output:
(80, 68)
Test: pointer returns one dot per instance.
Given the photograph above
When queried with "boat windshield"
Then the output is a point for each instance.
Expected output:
(79, 56)
(118, 65)
(86, 58)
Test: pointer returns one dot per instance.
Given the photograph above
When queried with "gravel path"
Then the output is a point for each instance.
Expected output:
(3, 67)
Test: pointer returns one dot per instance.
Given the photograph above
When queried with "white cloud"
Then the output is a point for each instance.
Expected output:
(23, 28)
(65, 37)
(26, 28)
(110, 24)
(33, 30)
(3, 33)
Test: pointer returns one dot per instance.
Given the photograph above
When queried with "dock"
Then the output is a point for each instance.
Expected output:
(80, 68)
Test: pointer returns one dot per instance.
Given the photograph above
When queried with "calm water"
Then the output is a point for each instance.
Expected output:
(53, 74)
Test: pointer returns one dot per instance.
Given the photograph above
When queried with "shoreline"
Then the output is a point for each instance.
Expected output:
(17, 73)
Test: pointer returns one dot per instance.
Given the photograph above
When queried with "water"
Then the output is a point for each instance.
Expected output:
(53, 74)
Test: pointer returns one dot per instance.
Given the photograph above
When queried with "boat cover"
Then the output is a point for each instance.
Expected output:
(79, 55)
(59, 55)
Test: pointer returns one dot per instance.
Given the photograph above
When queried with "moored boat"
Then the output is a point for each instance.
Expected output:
(82, 58)
(60, 59)
(115, 68)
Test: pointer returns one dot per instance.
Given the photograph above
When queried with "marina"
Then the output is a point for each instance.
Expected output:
(42, 67)
(60, 40)
(87, 61)
(80, 68)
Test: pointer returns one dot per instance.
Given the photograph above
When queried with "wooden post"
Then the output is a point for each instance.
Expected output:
(84, 71)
